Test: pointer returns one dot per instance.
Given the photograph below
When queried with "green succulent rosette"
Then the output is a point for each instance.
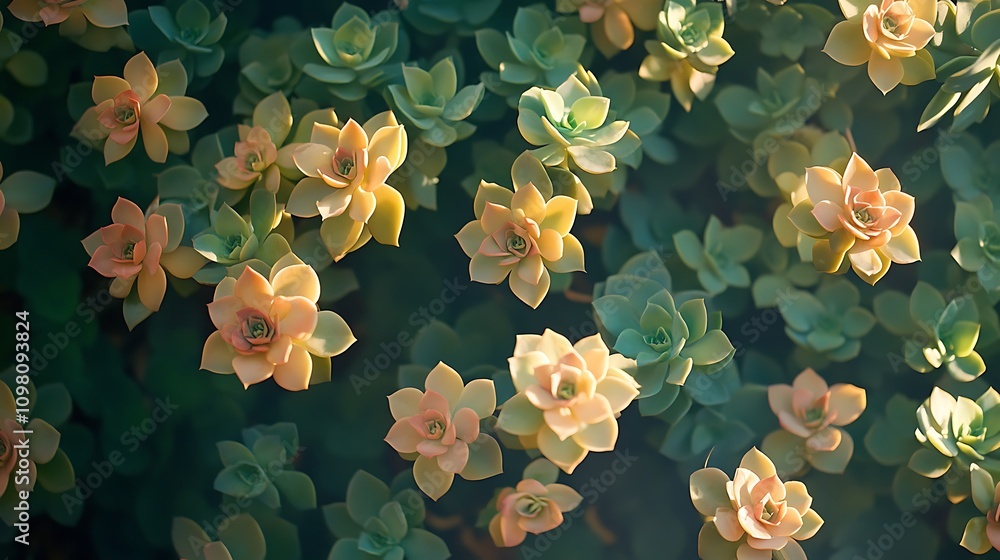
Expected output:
(263, 472)
(978, 248)
(783, 102)
(830, 322)
(968, 168)
(436, 17)
(718, 260)
(431, 102)
(190, 35)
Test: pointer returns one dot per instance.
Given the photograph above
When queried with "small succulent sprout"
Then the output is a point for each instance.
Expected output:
(149, 101)
(935, 333)
(831, 322)
(535, 505)
(436, 17)
(270, 327)
(957, 433)
(263, 473)
(791, 29)
(755, 514)
(719, 260)
(811, 414)
(613, 22)
(537, 51)
(977, 229)
(889, 36)
(137, 250)
(861, 219)
(439, 429)
(982, 534)
(345, 183)
(97, 25)
(569, 396)
(24, 192)
(46, 462)
(522, 236)
(375, 523)
(191, 35)
(573, 132)
(688, 50)
(241, 533)
(667, 340)
(234, 242)
(783, 100)
(432, 103)
(354, 50)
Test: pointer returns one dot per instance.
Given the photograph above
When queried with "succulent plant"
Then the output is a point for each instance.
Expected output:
(571, 128)
(935, 333)
(267, 64)
(612, 22)
(568, 396)
(97, 25)
(354, 50)
(241, 533)
(719, 260)
(688, 50)
(753, 515)
(23, 192)
(957, 433)
(431, 102)
(538, 51)
(373, 523)
(978, 235)
(190, 35)
(436, 17)
(781, 103)
(535, 505)
(831, 322)
(644, 107)
(811, 414)
(982, 534)
(792, 28)
(667, 340)
(861, 218)
(263, 473)
(439, 429)
(970, 169)
(889, 37)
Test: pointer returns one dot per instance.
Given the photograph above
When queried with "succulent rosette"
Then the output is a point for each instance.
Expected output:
(137, 250)
(93, 24)
(957, 433)
(688, 50)
(522, 236)
(977, 230)
(568, 396)
(190, 33)
(613, 22)
(530, 507)
(719, 260)
(241, 533)
(982, 534)
(830, 322)
(432, 102)
(271, 327)
(149, 101)
(862, 215)
(255, 158)
(439, 429)
(753, 516)
(811, 414)
(346, 169)
(42, 441)
(889, 36)
(23, 192)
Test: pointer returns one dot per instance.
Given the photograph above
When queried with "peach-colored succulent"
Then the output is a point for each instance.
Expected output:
(812, 410)
(889, 36)
(862, 215)
(439, 429)
(136, 249)
(345, 184)
(270, 327)
(523, 236)
(753, 515)
(533, 508)
(143, 102)
(569, 396)
(253, 162)
(101, 13)
(612, 21)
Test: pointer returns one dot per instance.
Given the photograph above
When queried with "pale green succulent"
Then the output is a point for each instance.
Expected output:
(719, 260)
(970, 169)
(354, 51)
(935, 333)
(978, 248)
(263, 473)
(266, 64)
(374, 523)
(234, 242)
(957, 433)
(788, 30)
(572, 128)
(831, 322)
(190, 35)
(436, 17)
(538, 51)
(781, 104)
(668, 339)
(432, 102)
(986, 497)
